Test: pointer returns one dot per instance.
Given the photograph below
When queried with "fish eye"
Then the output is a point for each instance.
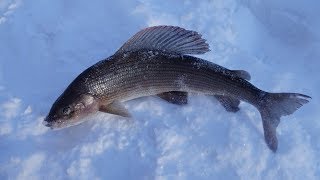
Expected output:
(66, 110)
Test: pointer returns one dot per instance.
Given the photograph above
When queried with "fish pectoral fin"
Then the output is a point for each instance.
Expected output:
(170, 39)
(175, 97)
(116, 108)
(229, 103)
(242, 74)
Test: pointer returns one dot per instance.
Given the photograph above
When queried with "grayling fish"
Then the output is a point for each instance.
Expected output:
(154, 62)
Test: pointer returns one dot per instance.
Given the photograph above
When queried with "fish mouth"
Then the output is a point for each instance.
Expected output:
(47, 123)
(51, 124)
(55, 125)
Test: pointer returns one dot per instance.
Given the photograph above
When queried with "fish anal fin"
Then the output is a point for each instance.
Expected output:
(170, 39)
(175, 97)
(116, 108)
(229, 103)
(242, 74)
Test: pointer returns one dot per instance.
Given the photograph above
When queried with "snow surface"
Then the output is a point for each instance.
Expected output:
(46, 44)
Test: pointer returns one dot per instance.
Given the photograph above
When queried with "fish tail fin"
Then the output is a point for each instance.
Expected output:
(275, 105)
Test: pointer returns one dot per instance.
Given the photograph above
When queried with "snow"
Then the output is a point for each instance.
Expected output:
(46, 44)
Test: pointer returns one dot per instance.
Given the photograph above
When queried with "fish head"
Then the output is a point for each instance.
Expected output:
(70, 109)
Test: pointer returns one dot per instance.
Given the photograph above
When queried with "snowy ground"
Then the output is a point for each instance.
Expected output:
(45, 44)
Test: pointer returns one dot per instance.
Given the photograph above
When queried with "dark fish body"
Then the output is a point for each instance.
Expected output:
(154, 62)
(145, 73)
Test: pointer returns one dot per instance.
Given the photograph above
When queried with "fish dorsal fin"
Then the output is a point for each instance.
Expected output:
(169, 39)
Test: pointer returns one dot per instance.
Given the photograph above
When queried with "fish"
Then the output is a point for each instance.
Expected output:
(159, 61)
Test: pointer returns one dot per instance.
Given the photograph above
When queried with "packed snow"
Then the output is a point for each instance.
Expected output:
(45, 44)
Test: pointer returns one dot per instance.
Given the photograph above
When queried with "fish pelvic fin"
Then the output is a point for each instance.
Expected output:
(175, 97)
(275, 105)
(170, 39)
